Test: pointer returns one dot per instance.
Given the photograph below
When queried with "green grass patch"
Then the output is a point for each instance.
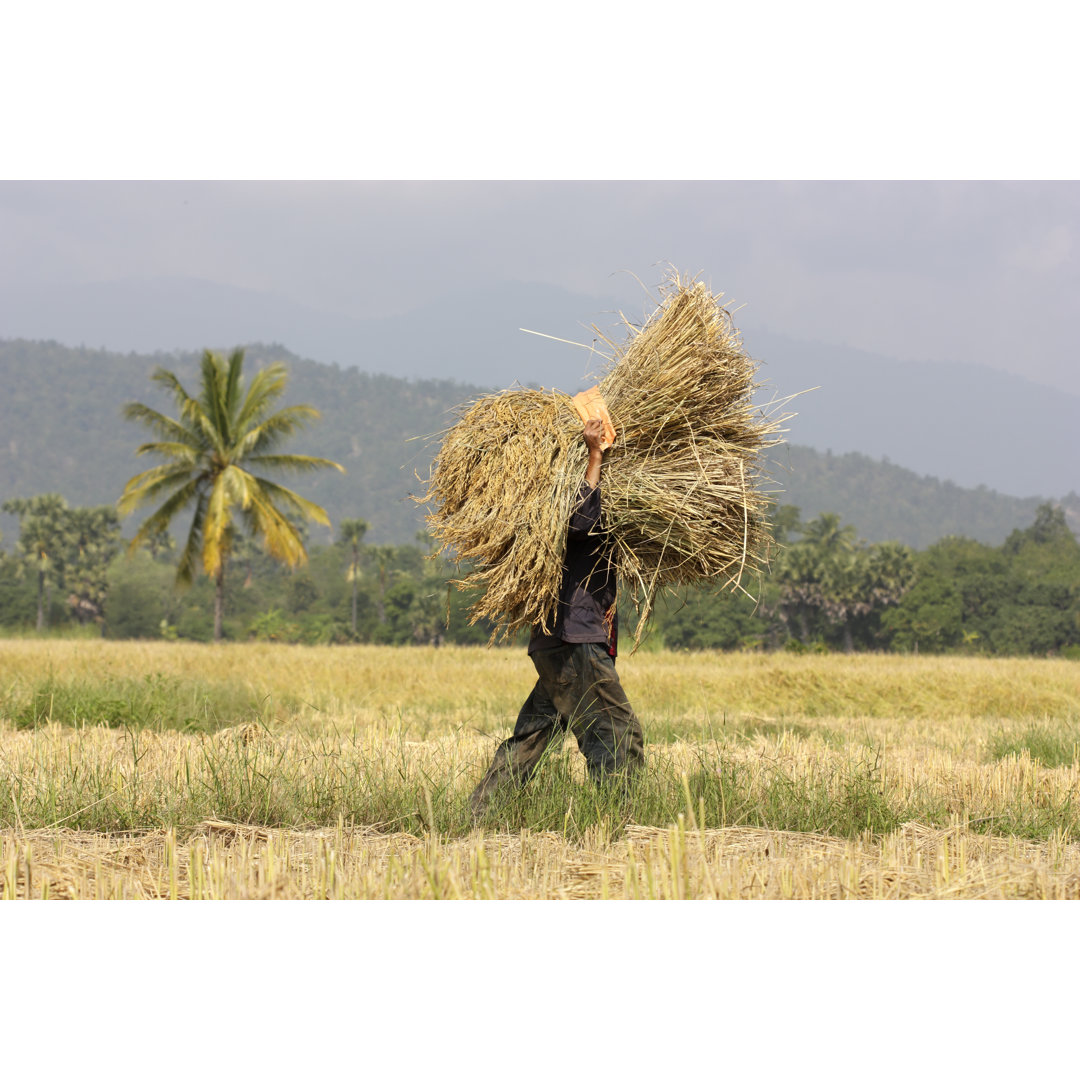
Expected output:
(843, 800)
(154, 702)
(254, 776)
(1051, 747)
(1039, 818)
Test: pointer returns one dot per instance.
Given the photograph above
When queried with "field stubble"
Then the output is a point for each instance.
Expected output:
(283, 771)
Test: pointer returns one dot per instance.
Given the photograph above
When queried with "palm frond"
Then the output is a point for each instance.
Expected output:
(153, 482)
(280, 536)
(185, 569)
(298, 503)
(178, 452)
(194, 412)
(174, 386)
(214, 438)
(232, 388)
(132, 494)
(161, 518)
(292, 462)
(215, 546)
(266, 435)
(165, 426)
(267, 386)
(237, 487)
(215, 420)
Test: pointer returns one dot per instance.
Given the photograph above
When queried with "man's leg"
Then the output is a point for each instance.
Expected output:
(538, 726)
(585, 688)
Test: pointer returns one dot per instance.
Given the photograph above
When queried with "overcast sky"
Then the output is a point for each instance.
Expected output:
(986, 272)
(882, 259)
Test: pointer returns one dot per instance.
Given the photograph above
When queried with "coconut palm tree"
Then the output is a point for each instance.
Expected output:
(43, 540)
(352, 532)
(892, 573)
(211, 451)
(800, 575)
(384, 558)
(829, 535)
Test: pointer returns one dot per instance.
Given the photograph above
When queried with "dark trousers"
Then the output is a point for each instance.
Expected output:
(579, 691)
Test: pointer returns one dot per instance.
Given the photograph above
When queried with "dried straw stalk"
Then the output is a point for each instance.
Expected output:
(683, 494)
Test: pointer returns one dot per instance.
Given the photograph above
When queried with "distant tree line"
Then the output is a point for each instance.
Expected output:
(61, 560)
(826, 590)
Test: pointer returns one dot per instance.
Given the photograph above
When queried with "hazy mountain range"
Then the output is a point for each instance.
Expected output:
(61, 430)
(961, 422)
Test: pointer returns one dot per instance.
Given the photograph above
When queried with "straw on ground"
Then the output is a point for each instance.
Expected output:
(345, 772)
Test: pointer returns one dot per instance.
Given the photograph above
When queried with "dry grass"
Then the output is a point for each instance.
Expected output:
(484, 687)
(426, 689)
(229, 861)
(684, 498)
(335, 790)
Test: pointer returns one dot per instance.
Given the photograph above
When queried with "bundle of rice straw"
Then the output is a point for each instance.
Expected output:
(681, 487)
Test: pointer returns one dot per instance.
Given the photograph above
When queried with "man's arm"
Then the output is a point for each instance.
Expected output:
(594, 433)
(586, 513)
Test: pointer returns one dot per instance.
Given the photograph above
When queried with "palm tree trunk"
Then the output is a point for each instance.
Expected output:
(354, 592)
(41, 600)
(219, 601)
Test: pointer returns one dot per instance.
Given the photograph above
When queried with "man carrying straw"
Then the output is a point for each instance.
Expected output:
(684, 504)
(577, 688)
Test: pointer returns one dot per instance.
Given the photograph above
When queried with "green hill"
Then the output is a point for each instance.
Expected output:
(61, 430)
(887, 502)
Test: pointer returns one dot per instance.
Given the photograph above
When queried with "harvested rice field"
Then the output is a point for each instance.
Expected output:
(169, 770)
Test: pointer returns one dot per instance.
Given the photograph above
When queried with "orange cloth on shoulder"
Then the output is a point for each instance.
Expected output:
(590, 403)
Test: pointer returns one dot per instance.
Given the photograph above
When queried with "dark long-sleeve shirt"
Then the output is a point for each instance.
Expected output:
(586, 609)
